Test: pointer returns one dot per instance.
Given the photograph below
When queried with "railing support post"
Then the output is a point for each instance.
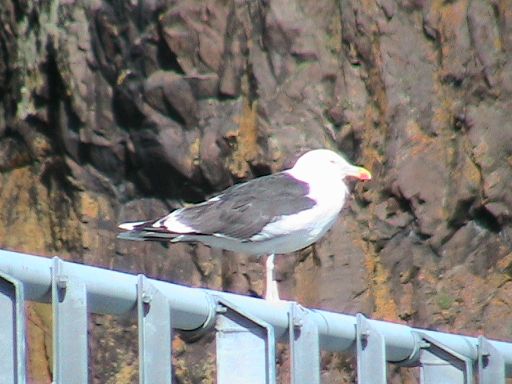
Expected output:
(304, 346)
(69, 303)
(440, 364)
(154, 321)
(245, 347)
(12, 331)
(491, 365)
(371, 353)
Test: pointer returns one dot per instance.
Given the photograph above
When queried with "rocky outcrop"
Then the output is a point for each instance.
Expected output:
(110, 113)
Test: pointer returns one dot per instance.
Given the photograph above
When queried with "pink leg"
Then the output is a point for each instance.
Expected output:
(271, 290)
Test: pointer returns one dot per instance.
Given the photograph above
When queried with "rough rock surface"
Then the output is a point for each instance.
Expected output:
(111, 111)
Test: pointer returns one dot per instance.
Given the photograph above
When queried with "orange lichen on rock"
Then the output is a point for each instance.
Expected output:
(128, 373)
(245, 140)
(385, 307)
(24, 212)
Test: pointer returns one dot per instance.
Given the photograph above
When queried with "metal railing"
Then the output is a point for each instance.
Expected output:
(246, 330)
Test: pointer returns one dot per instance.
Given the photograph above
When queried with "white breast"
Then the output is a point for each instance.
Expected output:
(294, 232)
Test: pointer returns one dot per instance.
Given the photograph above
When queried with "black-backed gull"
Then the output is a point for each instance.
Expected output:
(279, 213)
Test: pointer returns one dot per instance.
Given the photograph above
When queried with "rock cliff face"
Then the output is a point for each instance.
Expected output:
(111, 111)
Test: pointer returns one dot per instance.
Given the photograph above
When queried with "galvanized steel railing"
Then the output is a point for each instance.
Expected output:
(246, 330)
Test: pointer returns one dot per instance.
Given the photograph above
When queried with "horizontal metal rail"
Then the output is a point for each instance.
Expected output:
(191, 309)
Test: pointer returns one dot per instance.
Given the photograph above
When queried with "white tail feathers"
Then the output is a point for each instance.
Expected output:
(168, 228)
(172, 224)
(131, 225)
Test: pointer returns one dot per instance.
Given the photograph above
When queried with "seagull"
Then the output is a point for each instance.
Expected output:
(274, 214)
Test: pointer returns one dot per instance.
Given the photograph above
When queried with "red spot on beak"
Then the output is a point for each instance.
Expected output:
(364, 174)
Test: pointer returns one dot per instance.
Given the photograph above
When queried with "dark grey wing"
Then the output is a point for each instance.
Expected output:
(242, 210)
